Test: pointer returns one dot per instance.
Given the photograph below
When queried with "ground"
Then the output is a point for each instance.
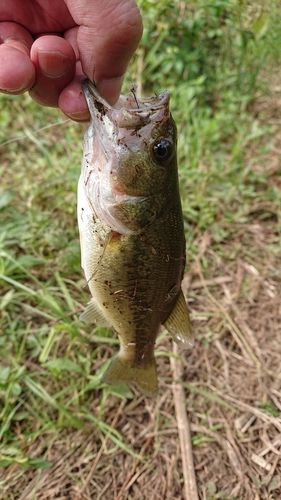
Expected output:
(126, 446)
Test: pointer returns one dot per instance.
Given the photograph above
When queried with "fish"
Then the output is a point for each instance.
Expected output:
(131, 231)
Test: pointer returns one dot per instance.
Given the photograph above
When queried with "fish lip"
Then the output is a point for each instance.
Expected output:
(125, 110)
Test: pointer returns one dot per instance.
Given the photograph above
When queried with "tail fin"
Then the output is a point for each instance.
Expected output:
(144, 377)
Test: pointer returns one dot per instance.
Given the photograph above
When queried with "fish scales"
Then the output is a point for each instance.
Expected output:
(131, 231)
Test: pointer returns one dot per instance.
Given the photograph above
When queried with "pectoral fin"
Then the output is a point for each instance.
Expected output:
(93, 314)
(178, 324)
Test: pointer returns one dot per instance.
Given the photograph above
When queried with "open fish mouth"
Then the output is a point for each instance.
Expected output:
(128, 112)
(127, 120)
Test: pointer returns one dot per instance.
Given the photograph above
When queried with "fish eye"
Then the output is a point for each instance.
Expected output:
(162, 151)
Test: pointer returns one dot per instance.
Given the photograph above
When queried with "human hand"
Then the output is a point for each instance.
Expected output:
(47, 47)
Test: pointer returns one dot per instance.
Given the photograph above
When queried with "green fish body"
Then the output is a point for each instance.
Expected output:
(131, 231)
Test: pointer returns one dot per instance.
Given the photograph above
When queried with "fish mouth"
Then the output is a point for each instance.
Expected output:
(128, 112)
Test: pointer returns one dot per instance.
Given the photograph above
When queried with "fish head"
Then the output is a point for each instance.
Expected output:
(129, 159)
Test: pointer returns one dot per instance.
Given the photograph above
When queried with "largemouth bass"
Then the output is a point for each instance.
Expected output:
(131, 231)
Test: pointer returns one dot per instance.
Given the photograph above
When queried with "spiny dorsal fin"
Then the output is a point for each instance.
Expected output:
(178, 324)
(93, 314)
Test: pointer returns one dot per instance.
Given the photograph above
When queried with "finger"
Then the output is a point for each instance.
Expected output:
(71, 37)
(17, 73)
(108, 36)
(72, 101)
(54, 61)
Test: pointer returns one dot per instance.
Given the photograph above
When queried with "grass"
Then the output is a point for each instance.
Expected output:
(57, 421)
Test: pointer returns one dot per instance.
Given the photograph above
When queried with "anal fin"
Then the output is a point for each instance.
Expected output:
(178, 324)
(93, 315)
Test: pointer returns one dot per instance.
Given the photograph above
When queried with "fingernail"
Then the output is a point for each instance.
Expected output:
(110, 89)
(79, 116)
(53, 64)
(19, 90)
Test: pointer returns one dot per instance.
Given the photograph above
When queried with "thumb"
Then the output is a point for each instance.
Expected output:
(108, 35)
